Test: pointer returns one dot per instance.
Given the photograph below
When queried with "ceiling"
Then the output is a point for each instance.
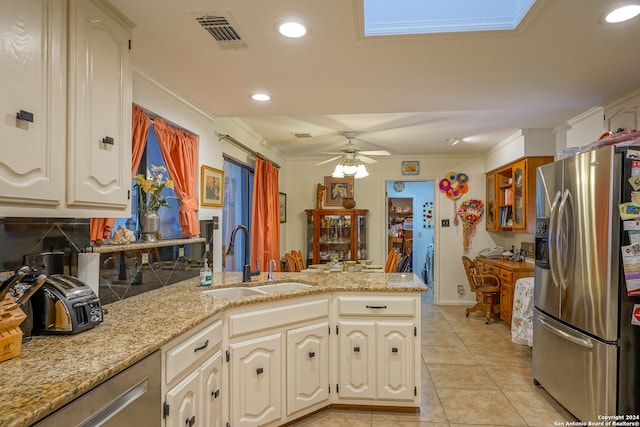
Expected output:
(403, 94)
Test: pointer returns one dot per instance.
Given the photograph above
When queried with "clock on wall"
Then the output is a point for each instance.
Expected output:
(398, 186)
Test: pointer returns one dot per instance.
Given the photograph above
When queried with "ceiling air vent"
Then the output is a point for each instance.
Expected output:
(303, 135)
(222, 31)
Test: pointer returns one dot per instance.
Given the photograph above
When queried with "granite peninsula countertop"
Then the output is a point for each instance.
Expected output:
(53, 370)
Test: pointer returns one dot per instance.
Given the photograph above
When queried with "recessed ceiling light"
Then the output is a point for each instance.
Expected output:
(292, 29)
(623, 13)
(261, 97)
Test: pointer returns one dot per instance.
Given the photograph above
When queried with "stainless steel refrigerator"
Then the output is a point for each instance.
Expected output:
(586, 351)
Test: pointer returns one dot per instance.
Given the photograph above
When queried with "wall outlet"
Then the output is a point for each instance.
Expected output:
(216, 222)
(460, 290)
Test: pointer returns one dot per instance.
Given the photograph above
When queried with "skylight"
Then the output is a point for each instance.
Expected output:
(402, 17)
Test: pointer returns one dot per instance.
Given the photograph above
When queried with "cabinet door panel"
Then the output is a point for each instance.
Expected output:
(307, 366)
(99, 108)
(256, 372)
(183, 402)
(396, 353)
(210, 374)
(32, 66)
(357, 360)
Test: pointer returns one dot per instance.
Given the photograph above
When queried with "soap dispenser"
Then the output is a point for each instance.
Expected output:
(205, 274)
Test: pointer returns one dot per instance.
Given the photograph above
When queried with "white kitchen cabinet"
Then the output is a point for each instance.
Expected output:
(377, 358)
(357, 359)
(99, 142)
(33, 79)
(395, 345)
(65, 63)
(210, 384)
(256, 381)
(307, 366)
(278, 356)
(184, 402)
(192, 378)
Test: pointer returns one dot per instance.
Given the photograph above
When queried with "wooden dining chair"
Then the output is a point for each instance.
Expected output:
(298, 256)
(292, 263)
(486, 288)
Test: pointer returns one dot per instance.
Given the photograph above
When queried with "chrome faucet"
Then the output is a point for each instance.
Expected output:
(272, 267)
(246, 270)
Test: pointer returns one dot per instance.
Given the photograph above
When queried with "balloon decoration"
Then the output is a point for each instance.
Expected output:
(454, 185)
(469, 213)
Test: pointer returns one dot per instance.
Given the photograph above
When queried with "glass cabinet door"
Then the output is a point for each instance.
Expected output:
(362, 237)
(335, 238)
(491, 202)
(519, 195)
(311, 255)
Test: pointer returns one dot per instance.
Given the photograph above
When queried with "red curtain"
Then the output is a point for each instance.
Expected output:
(265, 217)
(180, 153)
(100, 228)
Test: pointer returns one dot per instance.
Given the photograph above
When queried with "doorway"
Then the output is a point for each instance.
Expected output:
(410, 224)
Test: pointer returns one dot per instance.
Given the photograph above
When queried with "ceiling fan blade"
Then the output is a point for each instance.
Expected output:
(367, 160)
(375, 153)
(328, 161)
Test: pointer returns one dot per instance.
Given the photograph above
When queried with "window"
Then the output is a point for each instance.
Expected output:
(238, 196)
(169, 226)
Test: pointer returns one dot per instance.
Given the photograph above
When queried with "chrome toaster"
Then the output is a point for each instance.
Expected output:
(65, 305)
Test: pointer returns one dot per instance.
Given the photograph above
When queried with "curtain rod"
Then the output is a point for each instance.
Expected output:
(246, 149)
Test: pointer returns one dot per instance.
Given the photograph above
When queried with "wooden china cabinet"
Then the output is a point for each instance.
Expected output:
(336, 234)
(511, 193)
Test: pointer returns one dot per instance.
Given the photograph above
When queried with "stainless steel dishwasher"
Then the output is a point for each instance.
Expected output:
(131, 398)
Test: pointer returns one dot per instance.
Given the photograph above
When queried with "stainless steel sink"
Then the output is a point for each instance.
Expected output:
(282, 287)
(235, 292)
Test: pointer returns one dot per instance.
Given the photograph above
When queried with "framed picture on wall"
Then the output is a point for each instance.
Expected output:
(337, 189)
(410, 167)
(283, 207)
(211, 187)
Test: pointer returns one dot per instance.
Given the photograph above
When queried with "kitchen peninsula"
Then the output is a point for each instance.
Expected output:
(52, 371)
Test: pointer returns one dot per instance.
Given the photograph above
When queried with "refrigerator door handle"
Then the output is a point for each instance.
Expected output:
(567, 239)
(565, 335)
(553, 246)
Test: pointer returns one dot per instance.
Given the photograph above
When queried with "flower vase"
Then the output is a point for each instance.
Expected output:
(149, 225)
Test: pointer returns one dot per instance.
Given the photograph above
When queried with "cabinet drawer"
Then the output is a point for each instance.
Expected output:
(491, 269)
(273, 317)
(506, 276)
(376, 306)
(192, 350)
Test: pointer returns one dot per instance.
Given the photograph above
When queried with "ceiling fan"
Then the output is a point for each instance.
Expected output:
(350, 151)
(351, 160)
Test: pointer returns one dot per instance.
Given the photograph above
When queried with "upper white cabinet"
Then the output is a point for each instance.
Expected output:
(33, 80)
(67, 66)
(623, 113)
(99, 150)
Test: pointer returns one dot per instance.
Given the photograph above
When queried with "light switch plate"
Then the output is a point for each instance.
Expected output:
(445, 223)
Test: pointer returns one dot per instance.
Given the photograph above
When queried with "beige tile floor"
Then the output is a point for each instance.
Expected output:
(472, 375)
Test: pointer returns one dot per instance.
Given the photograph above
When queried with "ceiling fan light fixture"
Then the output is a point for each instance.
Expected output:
(361, 172)
(338, 172)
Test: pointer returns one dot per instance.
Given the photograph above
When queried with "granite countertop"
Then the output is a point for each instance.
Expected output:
(53, 370)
